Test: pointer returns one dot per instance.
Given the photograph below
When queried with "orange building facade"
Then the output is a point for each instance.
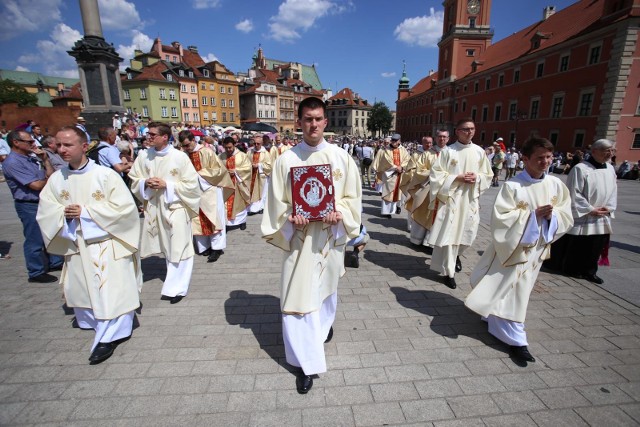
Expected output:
(572, 77)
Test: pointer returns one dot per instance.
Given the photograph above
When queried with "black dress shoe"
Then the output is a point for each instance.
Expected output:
(354, 260)
(398, 210)
(520, 353)
(102, 352)
(593, 279)
(450, 282)
(304, 383)
(243, 226)
(387, 216)
(206, 253)
(329, 336)
(43, 278)
(165, 298)
(261, 211)
(458, 265)
(176, 299)
(56, 268)
(214, 255)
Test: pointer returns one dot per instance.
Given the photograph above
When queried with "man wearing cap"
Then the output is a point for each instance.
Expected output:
(117, 123)
(80, 121)
(458, 178)
(390, 165)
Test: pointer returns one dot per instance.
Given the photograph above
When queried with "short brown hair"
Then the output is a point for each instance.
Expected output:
(163, 128)
(534, 142)
(312, 103)
(464, 120)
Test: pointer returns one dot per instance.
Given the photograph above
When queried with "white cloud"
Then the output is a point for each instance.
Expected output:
(245, 26)
(391, 74)
(21, 68)
(118, 15)
(205, 4)
(139, 41)
(210, 57)
(52, 54)
(300, 15)
(423, 31)
(19, 16)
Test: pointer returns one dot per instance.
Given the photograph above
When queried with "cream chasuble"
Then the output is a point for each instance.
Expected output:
(457, 217)
(277, 150)
(167, 213)
(213, 177)
(239, 199)
(385, 164)
(507, 271)
(418, 189)
(101, 270)
(314, 256)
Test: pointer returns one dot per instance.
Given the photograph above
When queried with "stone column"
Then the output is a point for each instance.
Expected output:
(98, 65)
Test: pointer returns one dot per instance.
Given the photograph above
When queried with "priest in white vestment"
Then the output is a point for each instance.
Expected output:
(594, 197)
(313, 251)
(458, 178)
(209, 227)
(87, 214)
(391, 165)
(164, 179)
(531, 211)
(261, 163)
(239, 167)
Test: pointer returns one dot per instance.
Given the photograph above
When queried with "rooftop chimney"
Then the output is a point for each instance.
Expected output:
(547, 12)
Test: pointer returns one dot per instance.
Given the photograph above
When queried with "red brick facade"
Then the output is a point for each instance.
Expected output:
(50, 119)
(573, 77)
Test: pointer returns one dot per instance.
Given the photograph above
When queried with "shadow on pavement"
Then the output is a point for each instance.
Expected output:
(449, 317)
(261, 314)
(405, 266)
(154, 267)
(613, 244)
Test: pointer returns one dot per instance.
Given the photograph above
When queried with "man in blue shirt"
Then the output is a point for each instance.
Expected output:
(108, 153)
(26, 176)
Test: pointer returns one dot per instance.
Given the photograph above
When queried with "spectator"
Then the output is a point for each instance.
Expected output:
(50, 145)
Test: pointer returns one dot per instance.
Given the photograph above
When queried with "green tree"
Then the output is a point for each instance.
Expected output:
(11, 91)
(380, 119)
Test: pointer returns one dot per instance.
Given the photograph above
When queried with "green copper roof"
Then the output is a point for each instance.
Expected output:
(308, 73)
(31, 78)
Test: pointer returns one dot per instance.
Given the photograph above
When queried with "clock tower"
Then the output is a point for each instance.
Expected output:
(465, 36)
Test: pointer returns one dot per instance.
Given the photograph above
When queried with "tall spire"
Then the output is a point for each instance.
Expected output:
(403, 83)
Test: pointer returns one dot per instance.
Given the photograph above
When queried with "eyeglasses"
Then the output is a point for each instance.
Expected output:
(467, 129)
(152, 135)
(26, 141)
(186, 144)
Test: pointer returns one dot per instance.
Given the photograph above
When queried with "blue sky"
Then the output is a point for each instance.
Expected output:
(358, 44)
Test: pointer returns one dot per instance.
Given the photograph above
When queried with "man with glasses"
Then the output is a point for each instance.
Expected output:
(26, 170)
(164, 179)
(458, 178)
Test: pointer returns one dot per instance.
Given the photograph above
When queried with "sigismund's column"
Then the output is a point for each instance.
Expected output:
(98, 65)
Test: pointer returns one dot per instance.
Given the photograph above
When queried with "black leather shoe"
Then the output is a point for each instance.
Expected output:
(354, 260)
(165, 298)
(243, 226)
(458, 265)
(593, 279)
(56, 268)
(205, 253)
(450, 282)
(43, 278)
(398, 210)
(387, 216)
(329, 336)
(176, 299)
(215, 254)
(304, 383)
(102, 352)
(520, 354)
(261, 211)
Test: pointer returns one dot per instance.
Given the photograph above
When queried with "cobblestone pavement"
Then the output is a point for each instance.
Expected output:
(405, 349)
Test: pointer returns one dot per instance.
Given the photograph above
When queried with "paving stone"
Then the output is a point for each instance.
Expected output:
(406, 373)
(466, 422)
(151, 406)
(630, 372)
(376, 414)
(599, 375)
(604, 394)
(338, 416)
(632, 389)
(473, 406)
(88, 389)
(394, 391)
(426, 410)
(257, 401)
(519, 401)
(100, 407)
(447, 370)
(438, 388)
(380, 359)
(45, 411)
(520, 420)
(365, 376)
(486, 367)
(8, 411)
(557, 398)
(632, 410)
(185, 385)
(276, 418)
(480, 384)
(291, 399)
(561, 361)
(609, 416)
(558, 418)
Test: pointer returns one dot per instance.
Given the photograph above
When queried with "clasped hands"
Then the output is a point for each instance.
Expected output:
(467, 177)
(300, 221)
(601, 211)
(155, 183)
(544, 211)
(72, 211)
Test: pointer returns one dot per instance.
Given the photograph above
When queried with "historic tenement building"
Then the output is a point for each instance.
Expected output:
(572, 77)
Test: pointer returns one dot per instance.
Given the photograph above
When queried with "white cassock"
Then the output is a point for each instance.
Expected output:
(507, 271)
(168, 213)
(101, 276)
(458, 211)
(313, 260)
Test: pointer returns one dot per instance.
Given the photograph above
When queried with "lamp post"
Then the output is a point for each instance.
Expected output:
(517, 116)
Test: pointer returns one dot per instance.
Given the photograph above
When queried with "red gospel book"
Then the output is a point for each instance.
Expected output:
(312, 191)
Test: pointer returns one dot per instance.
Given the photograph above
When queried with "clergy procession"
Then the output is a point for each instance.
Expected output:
(183, 199)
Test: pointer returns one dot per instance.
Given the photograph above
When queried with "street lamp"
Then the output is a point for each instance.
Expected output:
(517, 116)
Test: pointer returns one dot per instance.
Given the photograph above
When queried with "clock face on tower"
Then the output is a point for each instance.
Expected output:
(473, 7)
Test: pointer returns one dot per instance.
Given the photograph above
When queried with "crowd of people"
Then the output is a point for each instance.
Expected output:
(80, 204)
